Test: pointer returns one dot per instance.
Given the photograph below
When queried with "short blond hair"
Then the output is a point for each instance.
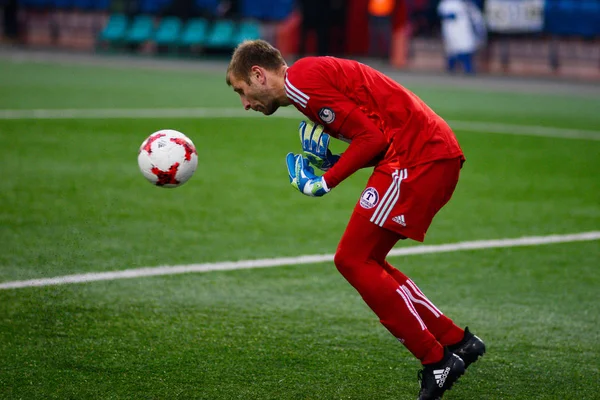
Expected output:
(253, 52)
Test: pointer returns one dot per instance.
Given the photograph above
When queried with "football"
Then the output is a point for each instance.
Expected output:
(167, 158)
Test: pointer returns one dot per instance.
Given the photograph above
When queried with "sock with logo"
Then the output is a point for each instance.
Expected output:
(442, 327)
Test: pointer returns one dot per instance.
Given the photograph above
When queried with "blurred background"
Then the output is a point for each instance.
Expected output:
(514, 37)
(84, 82)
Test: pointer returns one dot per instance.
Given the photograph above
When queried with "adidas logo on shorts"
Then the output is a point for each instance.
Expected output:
(399, 219)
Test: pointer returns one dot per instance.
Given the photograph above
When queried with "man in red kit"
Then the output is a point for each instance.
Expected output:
(416, 160)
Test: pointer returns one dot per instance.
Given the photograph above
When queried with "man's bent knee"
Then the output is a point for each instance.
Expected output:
(346, 263)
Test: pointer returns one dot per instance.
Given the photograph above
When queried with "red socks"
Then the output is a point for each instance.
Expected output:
(442, 327)
(401, 307)
(396, 312)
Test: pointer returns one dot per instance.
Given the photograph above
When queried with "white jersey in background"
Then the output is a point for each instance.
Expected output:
(463, 26)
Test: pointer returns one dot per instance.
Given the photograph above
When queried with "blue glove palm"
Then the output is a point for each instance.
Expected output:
(315, 144)
(302, 176)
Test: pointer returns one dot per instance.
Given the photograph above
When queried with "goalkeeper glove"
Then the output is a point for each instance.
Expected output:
(302, 176)
(315, 144)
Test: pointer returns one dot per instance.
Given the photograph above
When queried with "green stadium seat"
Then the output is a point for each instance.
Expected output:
(115, 28)
(194, 32)
(141, 29)
(168, 31)
(221, 35)
(247, 30)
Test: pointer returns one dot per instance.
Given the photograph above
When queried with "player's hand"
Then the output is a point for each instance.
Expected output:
(315, 144)
(302, 176)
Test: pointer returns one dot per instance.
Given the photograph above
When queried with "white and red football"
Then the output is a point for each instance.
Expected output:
(168, 158)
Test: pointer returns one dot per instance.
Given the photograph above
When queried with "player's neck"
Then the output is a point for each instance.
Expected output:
(282, 98)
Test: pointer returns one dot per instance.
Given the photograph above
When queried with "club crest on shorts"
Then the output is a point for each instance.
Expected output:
(369, 198)
(327, 115)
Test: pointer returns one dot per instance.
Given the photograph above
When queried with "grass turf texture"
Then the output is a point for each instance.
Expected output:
(73, 201)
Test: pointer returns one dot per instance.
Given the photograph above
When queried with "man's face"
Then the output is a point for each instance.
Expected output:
(257, 95)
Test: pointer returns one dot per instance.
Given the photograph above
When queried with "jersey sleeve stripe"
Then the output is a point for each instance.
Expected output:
(295, 98)
(295, 90)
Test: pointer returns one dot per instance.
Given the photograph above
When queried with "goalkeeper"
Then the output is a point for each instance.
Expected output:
(417, 162)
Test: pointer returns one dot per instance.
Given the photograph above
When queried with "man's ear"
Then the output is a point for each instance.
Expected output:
(258, 73)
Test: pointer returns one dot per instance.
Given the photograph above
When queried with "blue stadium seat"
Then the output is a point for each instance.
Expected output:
(194, 32)
(590, 18)
(221, 35)
(141, 29)
(151, 7)
(247, 30)
(572, 17)
(269, 10)
(101, 5)
(83, 4)
(115, 28)
(33, 4)
(207, 6)
(63, 4)
(252, 9)
(278, 10)
(168, 31)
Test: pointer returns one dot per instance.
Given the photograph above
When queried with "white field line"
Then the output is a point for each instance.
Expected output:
(306, 259)
(134, 113)
(483, 127)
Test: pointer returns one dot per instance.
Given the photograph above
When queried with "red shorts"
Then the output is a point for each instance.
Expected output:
(406, 200)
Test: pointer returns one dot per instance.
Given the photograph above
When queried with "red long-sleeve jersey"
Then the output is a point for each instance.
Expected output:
(378, 117)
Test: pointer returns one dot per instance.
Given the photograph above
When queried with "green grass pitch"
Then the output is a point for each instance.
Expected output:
(72, 200)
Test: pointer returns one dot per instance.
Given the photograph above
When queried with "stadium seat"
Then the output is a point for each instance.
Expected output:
(278, 10)
(221, 35)
(270, 10)
(590, 18)
(115, 28)
(247, 30)
(194, 32)
(35, 4)
(252, 9)
(62, 4)
(141, 29)
(150, 7)
(102, 5)
(168, 31)
(83, 4)
(572, 18)
(207, 7)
